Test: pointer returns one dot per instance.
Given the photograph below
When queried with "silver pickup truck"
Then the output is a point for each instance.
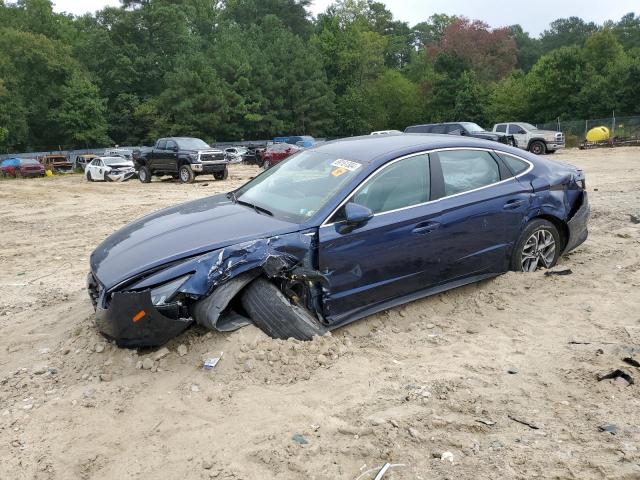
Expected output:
(531, 138)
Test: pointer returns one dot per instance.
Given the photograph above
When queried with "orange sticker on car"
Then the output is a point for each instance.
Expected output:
(339, 171)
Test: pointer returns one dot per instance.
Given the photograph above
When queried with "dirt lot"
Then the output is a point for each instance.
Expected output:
(404, 386)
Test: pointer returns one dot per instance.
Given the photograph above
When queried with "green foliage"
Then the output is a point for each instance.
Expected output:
(250, 69)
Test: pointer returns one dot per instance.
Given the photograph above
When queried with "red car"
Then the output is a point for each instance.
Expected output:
(277, 152)
(21, 167)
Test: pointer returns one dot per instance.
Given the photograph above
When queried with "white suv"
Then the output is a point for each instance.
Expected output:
(530, 138)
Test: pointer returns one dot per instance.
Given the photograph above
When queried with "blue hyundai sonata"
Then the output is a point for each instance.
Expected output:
(335, 233)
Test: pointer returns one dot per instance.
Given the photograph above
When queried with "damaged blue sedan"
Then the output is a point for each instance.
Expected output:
(335, 233)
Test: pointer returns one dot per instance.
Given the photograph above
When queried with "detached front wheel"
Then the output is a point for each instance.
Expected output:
(275, 315)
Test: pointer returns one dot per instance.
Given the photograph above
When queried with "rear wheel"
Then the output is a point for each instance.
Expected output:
(538, 147)
(221, 175)
(89, 177)
(275, 315)
(538, 246)
(186, 174)
(144, 174)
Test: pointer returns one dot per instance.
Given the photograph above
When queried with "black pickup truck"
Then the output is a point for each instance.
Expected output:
(468, 129)
(181, 157)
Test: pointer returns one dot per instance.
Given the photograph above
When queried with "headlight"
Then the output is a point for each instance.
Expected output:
(162, 294)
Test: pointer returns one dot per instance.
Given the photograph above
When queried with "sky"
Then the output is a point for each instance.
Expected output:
(533, 15)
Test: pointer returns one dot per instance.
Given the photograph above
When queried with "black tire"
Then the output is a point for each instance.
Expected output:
(533, 227)
(221, 175)
(185, 174)
(551, 152)
(89, 177)
(275, 315)
(144, 174)
(538, 147)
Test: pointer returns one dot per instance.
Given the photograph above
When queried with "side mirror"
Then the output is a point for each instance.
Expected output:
(355, 216)
(175, 148)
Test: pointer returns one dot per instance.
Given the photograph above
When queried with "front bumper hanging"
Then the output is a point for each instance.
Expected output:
(131, 319)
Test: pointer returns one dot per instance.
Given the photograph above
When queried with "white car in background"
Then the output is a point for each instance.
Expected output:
(235, 154)
(110, 169)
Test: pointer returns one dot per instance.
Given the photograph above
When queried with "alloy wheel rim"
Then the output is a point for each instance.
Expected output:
(184, 175)
(143, 175)
(538, 250)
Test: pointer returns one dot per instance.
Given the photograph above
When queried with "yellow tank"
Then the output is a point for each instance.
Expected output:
(598, 134)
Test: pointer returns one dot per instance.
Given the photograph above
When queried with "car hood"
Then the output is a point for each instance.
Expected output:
(177, 233)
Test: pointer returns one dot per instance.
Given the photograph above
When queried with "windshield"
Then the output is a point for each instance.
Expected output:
(472, 127)
(191, 144)
(297, 188)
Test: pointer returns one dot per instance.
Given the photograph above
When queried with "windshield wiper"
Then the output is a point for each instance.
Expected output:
(255, 207)
(232, 197)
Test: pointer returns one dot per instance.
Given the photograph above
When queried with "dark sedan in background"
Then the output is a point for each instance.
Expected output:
(21, 167)
(335, 233)
(467, 129)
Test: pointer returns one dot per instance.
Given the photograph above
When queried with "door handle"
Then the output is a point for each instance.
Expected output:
(425, 227)
(513, 204)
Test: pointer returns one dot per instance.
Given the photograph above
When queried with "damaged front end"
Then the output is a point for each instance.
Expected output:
(153, 308)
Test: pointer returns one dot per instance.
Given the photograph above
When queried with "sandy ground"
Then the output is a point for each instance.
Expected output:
(403, 386)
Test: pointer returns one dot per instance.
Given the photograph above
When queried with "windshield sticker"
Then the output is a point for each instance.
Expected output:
(339, 171)
(348, 164)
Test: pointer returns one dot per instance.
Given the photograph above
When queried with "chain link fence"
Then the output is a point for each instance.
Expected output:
(575, 131)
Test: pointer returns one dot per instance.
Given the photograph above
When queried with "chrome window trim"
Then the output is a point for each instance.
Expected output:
(435, 150)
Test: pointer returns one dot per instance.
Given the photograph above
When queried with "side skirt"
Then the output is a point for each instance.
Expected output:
(342, 320)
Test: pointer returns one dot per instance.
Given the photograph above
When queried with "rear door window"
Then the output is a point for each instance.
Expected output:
(438, 129)
(516, 165)
(465, 170)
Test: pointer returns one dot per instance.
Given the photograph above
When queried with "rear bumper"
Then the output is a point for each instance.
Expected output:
(123, 322)
(578, 230)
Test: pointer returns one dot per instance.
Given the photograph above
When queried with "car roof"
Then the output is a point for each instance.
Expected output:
(379, 148)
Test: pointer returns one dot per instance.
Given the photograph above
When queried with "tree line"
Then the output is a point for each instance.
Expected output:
(250, 69)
